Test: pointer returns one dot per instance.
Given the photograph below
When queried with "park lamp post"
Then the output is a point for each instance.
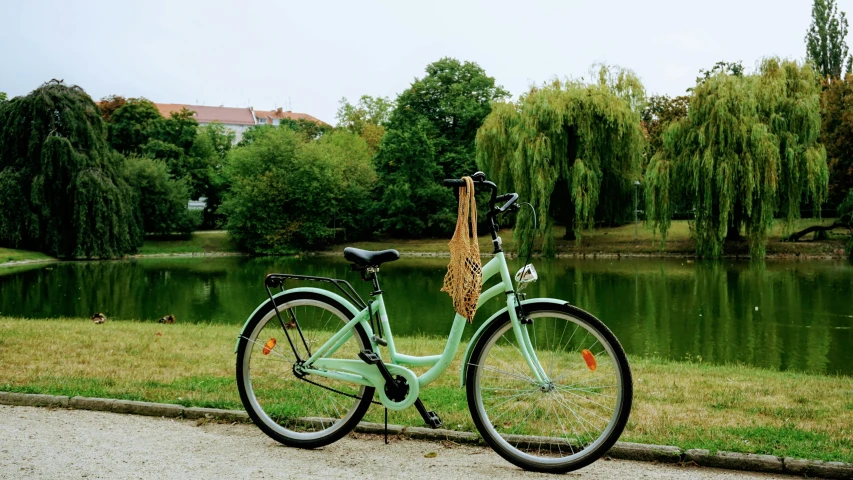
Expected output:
(636, 224)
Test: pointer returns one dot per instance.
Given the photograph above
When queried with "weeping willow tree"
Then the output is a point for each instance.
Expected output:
(573, 148)
(62, 188)
(747, 151)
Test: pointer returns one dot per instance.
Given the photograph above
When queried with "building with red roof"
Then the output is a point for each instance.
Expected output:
(235, 119)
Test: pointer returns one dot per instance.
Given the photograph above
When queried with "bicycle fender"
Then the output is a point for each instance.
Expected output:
(332, 295)
(479, 333)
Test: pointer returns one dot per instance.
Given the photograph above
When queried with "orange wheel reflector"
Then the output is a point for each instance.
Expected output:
(589, 358)
(271, 344)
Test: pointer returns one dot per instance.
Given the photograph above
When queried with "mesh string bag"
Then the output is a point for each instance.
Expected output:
(464, 272)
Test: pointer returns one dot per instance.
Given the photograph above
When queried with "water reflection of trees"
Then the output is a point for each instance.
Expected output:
(128, 289)
(775, 316)
(669, 309)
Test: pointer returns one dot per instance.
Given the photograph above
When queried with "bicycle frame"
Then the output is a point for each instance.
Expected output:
(359, 372)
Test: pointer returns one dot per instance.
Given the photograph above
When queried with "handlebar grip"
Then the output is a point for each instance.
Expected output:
(453, 182)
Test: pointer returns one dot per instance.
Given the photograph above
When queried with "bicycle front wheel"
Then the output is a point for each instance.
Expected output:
(569, 418)
(294, 408)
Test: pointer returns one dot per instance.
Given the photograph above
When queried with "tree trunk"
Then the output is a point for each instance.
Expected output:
(733, 231)
(844, 221)
(570, 223)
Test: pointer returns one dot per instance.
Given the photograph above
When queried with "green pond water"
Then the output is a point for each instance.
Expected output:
(779, 315)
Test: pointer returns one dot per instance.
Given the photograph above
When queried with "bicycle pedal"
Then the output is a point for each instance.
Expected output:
(430, 417)
(380, 341)
(369, 357)
(433, 420)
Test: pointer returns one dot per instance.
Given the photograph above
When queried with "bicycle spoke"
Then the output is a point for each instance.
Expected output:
(574, 409)
(280, 401)
(508, 374)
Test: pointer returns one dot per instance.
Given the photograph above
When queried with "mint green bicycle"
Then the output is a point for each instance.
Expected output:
(548, 385)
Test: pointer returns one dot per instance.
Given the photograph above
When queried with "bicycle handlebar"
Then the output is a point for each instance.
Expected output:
(479, 178)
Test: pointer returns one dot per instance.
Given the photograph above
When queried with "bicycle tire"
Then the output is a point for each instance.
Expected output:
(492, 385)
(280, 403)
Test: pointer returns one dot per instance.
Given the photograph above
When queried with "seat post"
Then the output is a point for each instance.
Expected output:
(374, 275)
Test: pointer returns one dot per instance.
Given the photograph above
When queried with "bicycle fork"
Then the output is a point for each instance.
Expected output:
(522, 335)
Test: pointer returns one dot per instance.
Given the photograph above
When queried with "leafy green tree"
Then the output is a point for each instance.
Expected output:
(252, 133)
(162, 200)
(412, 202)
(571, 148)
(837, 136)
(439, 114)
(449, 103)
(169, 152)
(287, 193)
(368, 111)
(826, 47)
(367, 118)
(220, 138)
(3, 96)
(133, 125)
(137, 127)
(62, 188)
(734, 69)
(747, 150)
(172, 141)
(350, 155)
(660, 111)
(179, 129)
(310, 129)
(211, 147)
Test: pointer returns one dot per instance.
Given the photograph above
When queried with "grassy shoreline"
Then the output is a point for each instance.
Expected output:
(603, 242)
(619, 241)
(12, 256)
(690, 405)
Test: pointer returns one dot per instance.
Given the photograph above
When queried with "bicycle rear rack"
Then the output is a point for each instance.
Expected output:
(274, 280)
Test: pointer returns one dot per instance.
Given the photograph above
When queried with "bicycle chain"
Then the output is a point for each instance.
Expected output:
(336, 391)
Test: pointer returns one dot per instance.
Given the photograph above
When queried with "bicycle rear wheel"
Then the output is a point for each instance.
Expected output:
(566, 422)
(299, 410)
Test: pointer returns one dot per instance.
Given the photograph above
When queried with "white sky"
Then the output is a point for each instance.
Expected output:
(309, 54)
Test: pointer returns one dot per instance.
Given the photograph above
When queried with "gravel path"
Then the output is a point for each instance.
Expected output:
(48, 443)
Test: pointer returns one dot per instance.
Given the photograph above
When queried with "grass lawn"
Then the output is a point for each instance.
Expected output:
(12, 255)
(620, 240)
(216, 241)
(689, 405)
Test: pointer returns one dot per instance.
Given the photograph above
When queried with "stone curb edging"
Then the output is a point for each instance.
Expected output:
(622, 450)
